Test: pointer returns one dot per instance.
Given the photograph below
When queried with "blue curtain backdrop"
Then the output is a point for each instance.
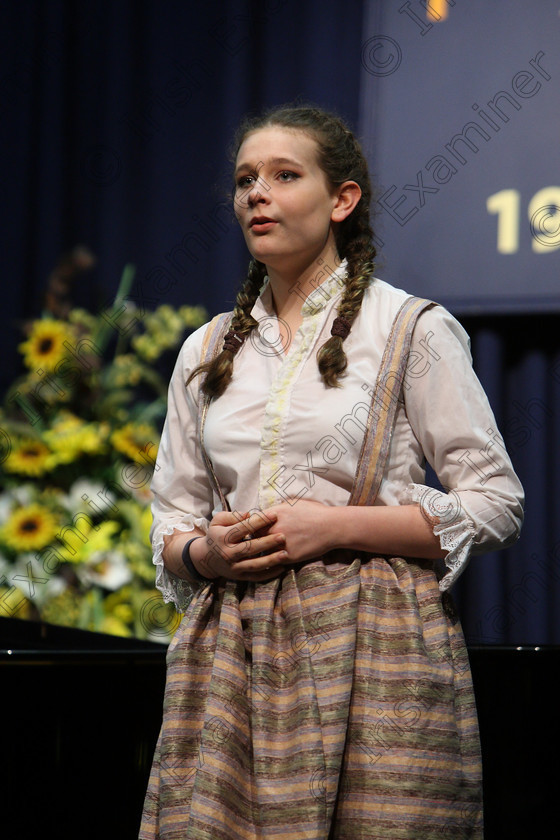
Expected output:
(117, 117)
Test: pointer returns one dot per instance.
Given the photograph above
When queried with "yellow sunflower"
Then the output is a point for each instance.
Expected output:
(138, 441)
(29, 457)
(29, 528)
(45, 347)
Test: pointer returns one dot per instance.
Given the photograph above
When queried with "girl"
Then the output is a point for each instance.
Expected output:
(318, 686)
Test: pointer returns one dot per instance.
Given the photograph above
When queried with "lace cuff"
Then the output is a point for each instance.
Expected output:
(452, 524)
(173, 588)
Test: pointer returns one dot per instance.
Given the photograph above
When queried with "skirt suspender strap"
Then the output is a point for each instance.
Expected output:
(385, 398)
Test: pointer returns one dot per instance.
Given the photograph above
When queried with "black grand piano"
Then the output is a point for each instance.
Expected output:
(81, 712)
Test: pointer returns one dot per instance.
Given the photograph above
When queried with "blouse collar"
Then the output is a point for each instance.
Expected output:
(319, 299)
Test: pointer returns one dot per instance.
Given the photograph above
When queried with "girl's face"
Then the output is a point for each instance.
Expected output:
(283, 202)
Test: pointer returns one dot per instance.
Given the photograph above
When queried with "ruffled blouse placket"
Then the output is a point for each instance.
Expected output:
(273, 485)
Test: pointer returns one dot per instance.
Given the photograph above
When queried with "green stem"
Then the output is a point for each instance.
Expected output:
(106, 321)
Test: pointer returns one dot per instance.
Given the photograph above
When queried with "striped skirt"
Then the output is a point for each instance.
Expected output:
(332, 703)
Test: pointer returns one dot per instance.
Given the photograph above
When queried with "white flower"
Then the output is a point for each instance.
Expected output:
(6, 506)
(23, 495)
(108, 569)
(36, 583)
(88, 496)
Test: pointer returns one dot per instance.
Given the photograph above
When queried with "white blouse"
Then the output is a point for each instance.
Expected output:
(278, 434)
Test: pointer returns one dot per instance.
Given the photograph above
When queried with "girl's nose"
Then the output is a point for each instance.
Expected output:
(257, 192)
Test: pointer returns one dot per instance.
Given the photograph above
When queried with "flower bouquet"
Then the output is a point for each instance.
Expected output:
(79, 432)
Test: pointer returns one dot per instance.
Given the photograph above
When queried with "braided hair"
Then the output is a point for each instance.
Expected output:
(340, 157)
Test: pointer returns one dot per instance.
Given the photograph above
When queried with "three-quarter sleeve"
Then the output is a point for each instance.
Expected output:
(182, 494)
(482, 508)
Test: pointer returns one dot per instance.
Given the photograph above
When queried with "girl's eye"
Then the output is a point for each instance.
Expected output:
(288, 176)
(245, 181)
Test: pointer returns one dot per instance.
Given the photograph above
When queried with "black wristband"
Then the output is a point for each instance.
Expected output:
(188, 563)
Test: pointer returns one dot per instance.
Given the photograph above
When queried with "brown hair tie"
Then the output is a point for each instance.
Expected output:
(233, 341)
(341, 326)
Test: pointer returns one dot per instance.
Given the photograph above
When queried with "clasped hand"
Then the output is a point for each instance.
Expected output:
(257, 545)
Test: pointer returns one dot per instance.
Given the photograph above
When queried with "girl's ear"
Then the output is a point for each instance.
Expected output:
(347, 196)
